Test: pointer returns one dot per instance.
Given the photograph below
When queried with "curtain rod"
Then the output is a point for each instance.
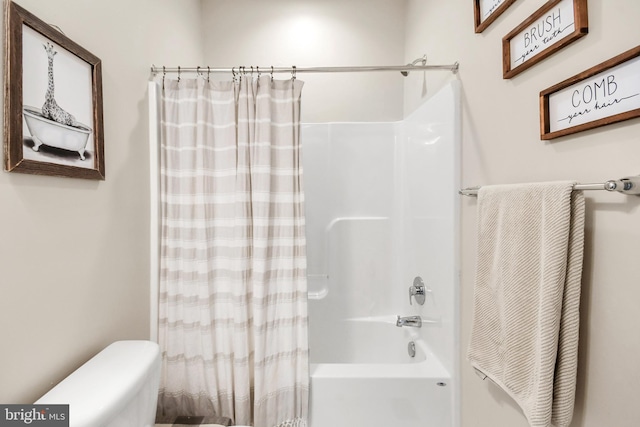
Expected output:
(404, 69)
(629, 185)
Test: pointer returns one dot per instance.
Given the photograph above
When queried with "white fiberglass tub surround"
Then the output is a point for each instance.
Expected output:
(382, 208)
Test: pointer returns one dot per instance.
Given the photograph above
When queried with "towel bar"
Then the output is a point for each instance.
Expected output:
(628, 185)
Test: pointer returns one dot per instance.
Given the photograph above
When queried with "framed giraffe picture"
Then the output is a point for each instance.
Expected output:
(53, 101)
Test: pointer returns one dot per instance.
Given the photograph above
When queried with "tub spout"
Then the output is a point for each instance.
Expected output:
(413, 321)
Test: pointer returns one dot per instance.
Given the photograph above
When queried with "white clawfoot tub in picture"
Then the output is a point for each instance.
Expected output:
(368, 378)
(53, 134)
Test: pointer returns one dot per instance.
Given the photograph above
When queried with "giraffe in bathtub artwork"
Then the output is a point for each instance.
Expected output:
(51, 109)
(51, 125)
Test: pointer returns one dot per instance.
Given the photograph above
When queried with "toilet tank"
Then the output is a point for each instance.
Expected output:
(116, 388)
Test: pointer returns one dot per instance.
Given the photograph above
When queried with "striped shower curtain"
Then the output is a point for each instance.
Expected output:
(233, 291)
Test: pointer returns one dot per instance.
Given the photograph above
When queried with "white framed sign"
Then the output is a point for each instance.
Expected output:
(486, 11)
(549, 29)
(604, 94)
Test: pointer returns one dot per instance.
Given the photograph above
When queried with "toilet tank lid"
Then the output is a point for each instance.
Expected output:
(104, 385)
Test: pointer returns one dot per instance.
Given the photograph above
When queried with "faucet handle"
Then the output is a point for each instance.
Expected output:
(417, 290)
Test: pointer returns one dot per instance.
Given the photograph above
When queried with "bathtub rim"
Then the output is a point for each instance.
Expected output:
(431, 367)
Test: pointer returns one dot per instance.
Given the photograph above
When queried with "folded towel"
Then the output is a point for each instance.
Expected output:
(527, 295)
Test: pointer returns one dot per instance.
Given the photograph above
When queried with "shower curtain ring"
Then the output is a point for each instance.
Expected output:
(293, 72)
(208, 73)
(178, 74)
(272, 73)
(233, 71)
(164, 74)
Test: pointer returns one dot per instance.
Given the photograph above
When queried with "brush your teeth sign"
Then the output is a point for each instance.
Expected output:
(552, 27)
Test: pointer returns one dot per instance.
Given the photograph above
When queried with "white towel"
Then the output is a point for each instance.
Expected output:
(527, 295)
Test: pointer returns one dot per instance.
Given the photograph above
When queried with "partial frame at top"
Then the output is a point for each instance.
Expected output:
(487, 11)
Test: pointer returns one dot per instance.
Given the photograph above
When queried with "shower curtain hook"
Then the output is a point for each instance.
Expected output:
(178, 74)
(293, 72)
(164, 74)
(208, 73)
(198, 72)
(252, 71)
(258, 71)
(233, 71)
(272, 73)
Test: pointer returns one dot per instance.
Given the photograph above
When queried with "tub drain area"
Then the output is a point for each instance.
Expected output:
(411, 349)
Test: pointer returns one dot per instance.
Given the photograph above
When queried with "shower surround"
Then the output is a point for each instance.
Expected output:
(381, 209)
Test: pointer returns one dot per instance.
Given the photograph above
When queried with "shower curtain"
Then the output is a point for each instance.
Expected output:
(233, 291)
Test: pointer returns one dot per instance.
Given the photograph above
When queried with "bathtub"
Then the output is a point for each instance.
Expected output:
(53, 134)
(381, 208)
(368, 379)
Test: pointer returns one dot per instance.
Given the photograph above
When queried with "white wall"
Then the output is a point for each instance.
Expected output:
(349, 200)
(74, 255)
(316, 33)
(501, 145)
(350, 179)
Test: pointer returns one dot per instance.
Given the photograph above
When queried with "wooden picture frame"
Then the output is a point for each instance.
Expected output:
(486, 11)
(555, 25)
(52, 120)
(604, 94)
